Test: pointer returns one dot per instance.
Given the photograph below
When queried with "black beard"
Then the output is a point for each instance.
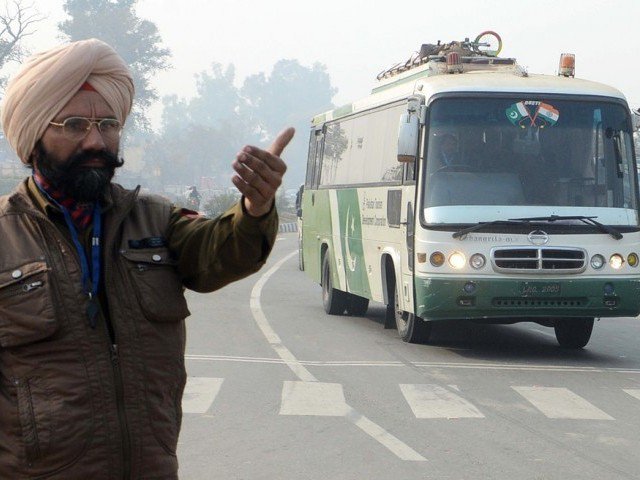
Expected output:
(83, 184)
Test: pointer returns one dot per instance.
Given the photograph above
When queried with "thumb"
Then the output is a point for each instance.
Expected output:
(281, 141)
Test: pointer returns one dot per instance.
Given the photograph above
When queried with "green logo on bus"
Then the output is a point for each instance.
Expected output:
(351, 241)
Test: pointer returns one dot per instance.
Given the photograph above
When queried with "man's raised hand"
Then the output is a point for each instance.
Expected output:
(259, 173)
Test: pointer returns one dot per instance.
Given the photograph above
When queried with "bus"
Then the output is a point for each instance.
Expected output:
(464, 187)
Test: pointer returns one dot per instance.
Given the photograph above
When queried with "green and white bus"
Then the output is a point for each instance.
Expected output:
(464, 187)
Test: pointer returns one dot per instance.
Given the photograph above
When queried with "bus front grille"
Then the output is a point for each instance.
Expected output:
(538, 259)
(518, 302)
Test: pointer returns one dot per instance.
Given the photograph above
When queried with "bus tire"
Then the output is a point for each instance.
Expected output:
(573, 332)
(356, 305)
(334, 301)
(410, 328)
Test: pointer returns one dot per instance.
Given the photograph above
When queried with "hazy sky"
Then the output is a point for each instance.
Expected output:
(357, 39)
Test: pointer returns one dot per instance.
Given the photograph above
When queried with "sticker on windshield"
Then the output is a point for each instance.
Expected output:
(530, 113)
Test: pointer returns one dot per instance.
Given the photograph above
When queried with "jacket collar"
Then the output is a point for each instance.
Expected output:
(27, 196)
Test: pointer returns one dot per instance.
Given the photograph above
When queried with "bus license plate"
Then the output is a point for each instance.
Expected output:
(537, 289)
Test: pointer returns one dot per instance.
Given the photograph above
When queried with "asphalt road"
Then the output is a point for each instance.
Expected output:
(277, 389)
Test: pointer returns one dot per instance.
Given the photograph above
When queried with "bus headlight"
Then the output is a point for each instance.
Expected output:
(477, 261)
(597, 262)
(616, 261)
(457, 260)
(632, 260)
(437, 259)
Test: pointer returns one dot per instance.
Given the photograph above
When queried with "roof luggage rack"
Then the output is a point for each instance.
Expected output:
(482, 51)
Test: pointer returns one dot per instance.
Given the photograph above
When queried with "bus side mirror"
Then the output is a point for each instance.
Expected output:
(408, 132)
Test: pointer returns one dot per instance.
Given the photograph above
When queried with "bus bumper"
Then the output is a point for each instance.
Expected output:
(440, 299)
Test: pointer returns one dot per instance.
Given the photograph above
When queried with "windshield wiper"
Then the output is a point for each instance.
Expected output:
(588, 220)
(481, 225)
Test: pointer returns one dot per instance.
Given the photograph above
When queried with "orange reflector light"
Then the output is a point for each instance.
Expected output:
(567, 67)
(437, 259)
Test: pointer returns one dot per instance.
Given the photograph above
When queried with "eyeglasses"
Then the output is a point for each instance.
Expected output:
(76, 128)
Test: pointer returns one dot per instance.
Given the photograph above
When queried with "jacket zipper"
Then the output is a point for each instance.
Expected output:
(115, 358)
(113, 354)
(19, 288)
(32, 422)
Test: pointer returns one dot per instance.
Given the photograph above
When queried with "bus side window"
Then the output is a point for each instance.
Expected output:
(313, 162)
(311, 159)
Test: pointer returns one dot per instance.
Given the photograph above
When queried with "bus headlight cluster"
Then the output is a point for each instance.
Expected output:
(458, 260)
(616, 261)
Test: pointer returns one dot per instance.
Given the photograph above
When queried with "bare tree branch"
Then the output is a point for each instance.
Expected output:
(17, 21)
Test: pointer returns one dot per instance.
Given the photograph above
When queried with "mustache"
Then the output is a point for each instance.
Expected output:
(110, 160)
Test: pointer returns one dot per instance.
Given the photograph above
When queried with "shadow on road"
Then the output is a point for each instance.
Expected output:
(522, 342)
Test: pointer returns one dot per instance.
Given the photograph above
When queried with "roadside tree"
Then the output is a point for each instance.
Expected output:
(135, 39)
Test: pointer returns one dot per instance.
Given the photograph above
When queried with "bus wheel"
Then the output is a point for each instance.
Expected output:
(573, 332)
(357, 306)
(334, 301)
(410, 328)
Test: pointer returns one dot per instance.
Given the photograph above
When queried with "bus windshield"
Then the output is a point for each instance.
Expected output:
(531, 156)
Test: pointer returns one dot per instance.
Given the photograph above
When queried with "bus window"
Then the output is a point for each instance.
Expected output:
(538, 152)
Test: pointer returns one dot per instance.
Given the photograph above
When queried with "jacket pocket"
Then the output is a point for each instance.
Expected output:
(26, 305)
(55, 419)
(158, 288)
(45, 384)
(34, 405)
(160, 294)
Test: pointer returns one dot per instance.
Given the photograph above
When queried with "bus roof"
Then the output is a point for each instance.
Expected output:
(511, 80)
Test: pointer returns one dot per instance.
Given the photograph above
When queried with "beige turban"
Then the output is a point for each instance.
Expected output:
(48, 80)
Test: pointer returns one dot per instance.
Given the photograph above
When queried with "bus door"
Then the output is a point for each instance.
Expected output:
(408, 153)
(408, 232)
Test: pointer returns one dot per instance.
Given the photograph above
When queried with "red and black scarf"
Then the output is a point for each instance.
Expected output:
(81, 212)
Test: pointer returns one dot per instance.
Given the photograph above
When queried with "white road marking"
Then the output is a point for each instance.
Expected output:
(395, 446)
(515, 366)
(199, 394)
(434, 401)
(392, 363)
(391, 442)
(634, 392)
(556, 402)
(274, 340)
(313, 398)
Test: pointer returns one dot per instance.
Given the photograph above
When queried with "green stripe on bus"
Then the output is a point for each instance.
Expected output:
(400, 81)
(343, 110)
(318, 119)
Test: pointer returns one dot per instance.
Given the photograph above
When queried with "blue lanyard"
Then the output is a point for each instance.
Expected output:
(90, 286)
(90, 273)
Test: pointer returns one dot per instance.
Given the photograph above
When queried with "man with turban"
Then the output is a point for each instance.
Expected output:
(92, 332)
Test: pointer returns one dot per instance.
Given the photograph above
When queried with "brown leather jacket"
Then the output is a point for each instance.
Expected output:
(78, 402)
